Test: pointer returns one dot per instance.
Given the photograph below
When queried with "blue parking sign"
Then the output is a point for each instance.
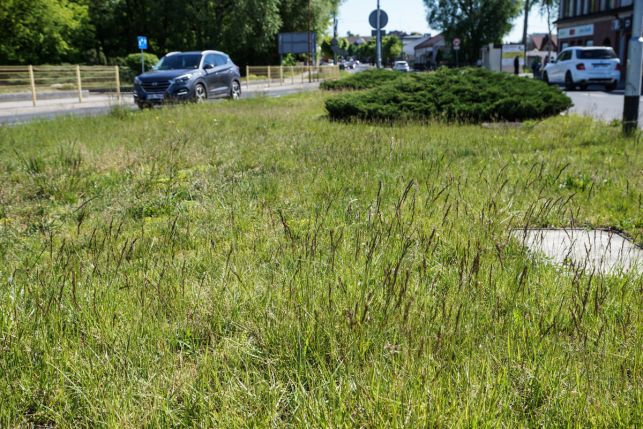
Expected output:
(142, 42)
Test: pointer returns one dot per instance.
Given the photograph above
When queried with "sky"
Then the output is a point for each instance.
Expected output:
(409, 16)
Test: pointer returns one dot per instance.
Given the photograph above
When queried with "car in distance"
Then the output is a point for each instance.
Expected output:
(188, 76)
(583, 66)
(402, 66)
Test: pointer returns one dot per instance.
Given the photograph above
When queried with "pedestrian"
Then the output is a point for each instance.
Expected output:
(535, 68)
(517, 65)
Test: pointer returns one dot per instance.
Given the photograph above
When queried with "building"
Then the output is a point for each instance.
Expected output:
(542, 42)
(426, 53)
(595, 23)
(409, 43)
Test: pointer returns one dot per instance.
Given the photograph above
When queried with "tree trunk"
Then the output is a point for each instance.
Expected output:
(549, 42)
(524, 32)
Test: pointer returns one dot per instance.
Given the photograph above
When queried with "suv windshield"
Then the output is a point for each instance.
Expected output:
(179, 62)
(596, 54)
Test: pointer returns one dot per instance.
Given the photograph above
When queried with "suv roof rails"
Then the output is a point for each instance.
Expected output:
(172, 53)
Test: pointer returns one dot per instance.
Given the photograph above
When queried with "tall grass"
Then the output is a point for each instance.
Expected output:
(253, 264)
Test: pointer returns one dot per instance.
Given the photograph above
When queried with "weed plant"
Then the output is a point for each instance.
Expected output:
(253, 264)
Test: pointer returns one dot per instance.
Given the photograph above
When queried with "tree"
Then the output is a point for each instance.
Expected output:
(327, 48)
(53, 31)
(37, 31)
(525, 34)
(476, 22)
(391, 49)
(546, 7)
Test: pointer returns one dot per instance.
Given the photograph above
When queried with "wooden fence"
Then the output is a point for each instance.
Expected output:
(36, 80)
(22, 82)
(288, 75)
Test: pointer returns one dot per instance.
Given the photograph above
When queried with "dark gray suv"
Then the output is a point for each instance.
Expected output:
(188, 76)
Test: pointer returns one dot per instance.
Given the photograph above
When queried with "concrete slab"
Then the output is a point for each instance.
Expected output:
(597, 250)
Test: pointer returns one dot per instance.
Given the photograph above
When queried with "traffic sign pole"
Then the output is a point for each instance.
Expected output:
(142, 45)
(379, 36)
(456, 48)
(633, 74)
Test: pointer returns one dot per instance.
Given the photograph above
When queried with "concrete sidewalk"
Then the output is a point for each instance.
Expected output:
(15, 112)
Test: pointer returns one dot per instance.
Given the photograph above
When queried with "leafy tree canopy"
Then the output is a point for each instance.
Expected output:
(52, 31)
(37, 30)
(476, 22)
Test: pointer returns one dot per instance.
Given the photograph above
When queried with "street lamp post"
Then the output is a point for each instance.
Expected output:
(633, 74)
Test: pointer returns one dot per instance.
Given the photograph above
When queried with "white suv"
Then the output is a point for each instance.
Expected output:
(583, 66)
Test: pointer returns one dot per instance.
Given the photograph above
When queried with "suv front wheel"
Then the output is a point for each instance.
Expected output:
(235, 90)
(200, 93)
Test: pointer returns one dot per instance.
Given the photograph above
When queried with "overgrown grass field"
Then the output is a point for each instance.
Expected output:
(254, 264)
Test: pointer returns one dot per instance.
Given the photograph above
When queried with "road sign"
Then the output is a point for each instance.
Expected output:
(142, 42)
(372, 19)
(456, 43)
(297, 43)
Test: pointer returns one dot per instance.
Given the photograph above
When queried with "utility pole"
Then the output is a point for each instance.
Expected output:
(379, 37)
(310, 50)
(633, 74)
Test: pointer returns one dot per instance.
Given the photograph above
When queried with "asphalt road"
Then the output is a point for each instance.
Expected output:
(18, 112)
(604, 106)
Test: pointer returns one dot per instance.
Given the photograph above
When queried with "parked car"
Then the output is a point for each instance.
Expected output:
(188, 76)
(583, 66)
(402, 66)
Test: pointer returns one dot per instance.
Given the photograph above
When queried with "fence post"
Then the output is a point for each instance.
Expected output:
(33, 86)
(310, 73)
(281, 75)
(248, 77)
(118, 84)
(292, 74)
(269, 77)
(78, 82)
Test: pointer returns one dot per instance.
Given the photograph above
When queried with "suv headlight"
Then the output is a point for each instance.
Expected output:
(181, 79)
(137, 81)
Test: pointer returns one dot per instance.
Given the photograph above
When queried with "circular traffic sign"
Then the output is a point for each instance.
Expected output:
(372, 19)
(456, 42)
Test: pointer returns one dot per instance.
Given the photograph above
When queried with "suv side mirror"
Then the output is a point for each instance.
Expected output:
(208, 66)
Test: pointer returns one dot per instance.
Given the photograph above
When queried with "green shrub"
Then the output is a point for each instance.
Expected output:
(133, 62)
(364, 80)
(465, 95)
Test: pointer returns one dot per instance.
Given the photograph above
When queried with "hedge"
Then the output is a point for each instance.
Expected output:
(463, 95)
